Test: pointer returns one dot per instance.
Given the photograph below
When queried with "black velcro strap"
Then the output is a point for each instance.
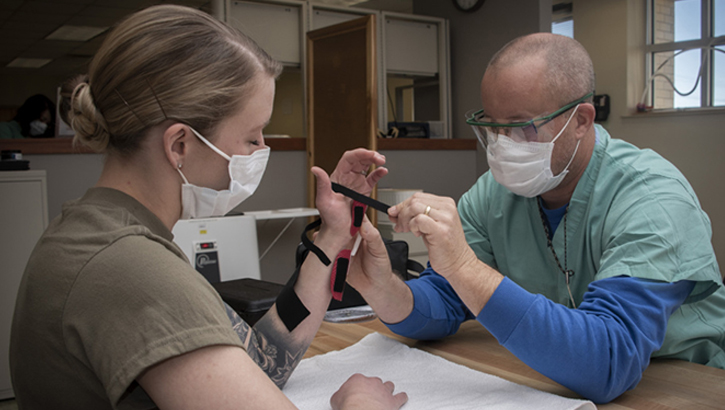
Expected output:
(311, 246)
(358, 212)
(290, 308)
(360, 197)
(341, 266)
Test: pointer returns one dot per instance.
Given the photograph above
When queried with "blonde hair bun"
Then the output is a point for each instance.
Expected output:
(162, 63)
(87, 122)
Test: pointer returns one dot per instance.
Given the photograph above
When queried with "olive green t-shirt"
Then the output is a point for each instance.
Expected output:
(105, 295)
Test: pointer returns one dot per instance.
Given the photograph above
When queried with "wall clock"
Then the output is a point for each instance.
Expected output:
(468, 6)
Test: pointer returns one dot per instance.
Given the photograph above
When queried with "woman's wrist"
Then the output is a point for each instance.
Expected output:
(332, 242)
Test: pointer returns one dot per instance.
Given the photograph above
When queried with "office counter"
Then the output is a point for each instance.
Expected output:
(666, 384)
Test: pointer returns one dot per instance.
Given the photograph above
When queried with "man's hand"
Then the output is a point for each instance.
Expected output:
(367, 393)
(436, 219)
(370, 269)
(371, 275)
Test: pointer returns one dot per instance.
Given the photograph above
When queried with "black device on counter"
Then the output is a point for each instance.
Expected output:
(411, 129)
(250, 298)
(12, 160)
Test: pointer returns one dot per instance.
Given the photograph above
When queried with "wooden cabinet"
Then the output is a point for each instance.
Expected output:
(412, 60)
(23, 217)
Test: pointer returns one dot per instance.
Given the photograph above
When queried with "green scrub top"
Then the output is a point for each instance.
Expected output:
(10, 130)
(632, 214)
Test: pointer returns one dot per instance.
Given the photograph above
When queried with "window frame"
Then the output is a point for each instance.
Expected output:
(706, 39)
(562, 12)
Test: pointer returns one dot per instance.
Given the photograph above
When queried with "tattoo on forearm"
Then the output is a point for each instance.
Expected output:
(269, 346)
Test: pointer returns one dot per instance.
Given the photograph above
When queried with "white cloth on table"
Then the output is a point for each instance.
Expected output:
(430, 381)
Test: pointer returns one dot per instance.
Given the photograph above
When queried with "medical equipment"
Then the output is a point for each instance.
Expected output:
(222, 248)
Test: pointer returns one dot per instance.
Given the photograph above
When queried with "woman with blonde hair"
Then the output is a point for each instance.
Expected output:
(110, 314)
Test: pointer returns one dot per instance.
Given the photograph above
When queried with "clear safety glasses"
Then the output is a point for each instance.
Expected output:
(527, 131)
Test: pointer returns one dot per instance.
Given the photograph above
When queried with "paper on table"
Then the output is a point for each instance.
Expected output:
(431, 382)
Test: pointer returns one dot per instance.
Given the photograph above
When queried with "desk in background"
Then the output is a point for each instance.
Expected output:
(666, 384)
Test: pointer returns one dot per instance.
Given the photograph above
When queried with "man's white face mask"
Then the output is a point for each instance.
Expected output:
(245, 172)
(524, 168)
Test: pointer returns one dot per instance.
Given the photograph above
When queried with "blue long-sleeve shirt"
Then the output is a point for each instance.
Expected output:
(598, 350)
(633, 226)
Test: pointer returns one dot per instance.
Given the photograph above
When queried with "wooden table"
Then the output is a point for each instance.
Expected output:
(666, 384)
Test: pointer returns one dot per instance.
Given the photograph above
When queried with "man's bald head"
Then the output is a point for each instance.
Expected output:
(568, 69)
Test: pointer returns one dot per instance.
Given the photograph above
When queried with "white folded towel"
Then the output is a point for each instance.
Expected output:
(431, 382)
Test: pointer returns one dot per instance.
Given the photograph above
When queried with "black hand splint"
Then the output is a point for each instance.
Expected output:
(290, 308)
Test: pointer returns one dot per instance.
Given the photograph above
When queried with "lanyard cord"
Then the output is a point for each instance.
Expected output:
(568, 273)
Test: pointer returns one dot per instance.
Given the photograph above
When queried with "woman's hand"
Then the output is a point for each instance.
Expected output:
(436, 219)
(367, 393)
(351, 171)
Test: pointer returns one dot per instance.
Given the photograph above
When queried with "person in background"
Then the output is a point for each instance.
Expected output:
(34, 119)
(582, 254)
(110, 314)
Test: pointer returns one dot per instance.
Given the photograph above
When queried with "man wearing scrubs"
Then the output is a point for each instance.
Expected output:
(582, 254)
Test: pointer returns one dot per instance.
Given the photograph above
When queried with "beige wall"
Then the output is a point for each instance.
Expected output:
(695, 142)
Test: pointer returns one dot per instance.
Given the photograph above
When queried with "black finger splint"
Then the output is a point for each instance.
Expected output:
(360, 198)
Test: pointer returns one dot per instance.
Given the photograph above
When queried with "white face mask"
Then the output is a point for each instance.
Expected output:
(37, 127)
(245, 172)
(524, 168)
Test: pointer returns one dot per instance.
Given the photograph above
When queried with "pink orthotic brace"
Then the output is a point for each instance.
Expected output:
(342, 261)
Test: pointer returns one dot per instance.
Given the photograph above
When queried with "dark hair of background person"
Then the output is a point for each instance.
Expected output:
(31, 110)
